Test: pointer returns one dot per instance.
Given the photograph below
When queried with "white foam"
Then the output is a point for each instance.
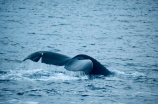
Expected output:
(31, 102)
(22, 102)
(133, 73)
(45, 73)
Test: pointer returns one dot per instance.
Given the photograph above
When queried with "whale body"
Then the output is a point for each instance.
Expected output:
(80, 62)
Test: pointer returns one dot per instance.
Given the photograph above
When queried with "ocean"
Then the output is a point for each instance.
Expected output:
(120, 34)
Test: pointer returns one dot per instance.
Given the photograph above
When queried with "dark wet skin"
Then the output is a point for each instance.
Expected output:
(84, 62)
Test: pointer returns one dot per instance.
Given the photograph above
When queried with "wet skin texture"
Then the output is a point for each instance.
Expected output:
(78, 63)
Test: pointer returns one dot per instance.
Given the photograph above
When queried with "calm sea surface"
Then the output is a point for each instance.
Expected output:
(121, 34)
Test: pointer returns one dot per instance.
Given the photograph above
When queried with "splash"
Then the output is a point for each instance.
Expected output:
(44, 73)
(129, 73)
(23, 102)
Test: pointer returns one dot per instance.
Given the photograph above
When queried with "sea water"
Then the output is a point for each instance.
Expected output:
(120, 34)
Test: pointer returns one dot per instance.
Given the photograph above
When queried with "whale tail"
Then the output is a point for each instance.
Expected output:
(78, 64)
(72, 64)
(34, 56)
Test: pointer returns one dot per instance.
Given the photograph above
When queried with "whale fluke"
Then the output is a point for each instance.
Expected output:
(54, 58)
(48, 58)
(77, 64)
(80, 62)
(34, 56)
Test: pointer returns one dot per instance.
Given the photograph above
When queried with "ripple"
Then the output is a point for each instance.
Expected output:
(123, 37)
(92, 87)
(3, 72)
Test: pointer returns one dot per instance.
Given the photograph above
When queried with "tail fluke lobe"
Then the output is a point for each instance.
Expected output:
(34, 56)
(77, 64)
(48, 58)
(54, 58)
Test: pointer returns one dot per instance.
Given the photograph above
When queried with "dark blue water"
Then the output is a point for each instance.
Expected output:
(122, 35)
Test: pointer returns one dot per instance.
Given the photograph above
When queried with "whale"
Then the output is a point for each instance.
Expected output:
(81, 62)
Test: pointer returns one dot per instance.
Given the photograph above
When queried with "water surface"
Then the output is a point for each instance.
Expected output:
(122, 35)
